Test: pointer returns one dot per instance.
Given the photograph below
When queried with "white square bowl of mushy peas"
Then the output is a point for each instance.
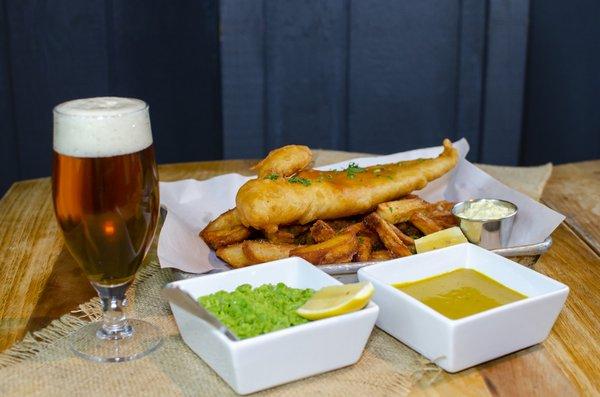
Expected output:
(284, 355)
(463, 305)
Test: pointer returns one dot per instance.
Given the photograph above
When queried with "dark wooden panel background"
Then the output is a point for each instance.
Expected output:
(163, 51)
(235, 78)
(562, 107)
(373, 75)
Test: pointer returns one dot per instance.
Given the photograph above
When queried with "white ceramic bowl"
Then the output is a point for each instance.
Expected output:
(282, 356)
(458, 344)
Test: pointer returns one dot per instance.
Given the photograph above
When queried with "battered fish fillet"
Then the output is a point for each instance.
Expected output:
(285, 161)
(266, 203)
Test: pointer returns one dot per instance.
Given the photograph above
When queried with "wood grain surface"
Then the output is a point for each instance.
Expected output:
(40, 281)
(575, 190)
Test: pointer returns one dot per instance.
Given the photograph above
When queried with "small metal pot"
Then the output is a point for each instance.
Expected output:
(487, 233)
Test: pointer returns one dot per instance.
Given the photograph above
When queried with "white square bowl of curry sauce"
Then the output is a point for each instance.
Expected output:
(279, 356)
(463, 305)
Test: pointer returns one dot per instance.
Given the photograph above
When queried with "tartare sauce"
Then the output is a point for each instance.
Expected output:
(486, 210)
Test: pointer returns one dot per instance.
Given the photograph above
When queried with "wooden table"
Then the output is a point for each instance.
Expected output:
(40, 281)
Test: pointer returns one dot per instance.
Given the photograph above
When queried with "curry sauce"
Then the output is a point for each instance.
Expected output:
(460, 293)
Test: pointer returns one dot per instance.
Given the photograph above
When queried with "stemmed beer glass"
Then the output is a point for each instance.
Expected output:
(105, 191)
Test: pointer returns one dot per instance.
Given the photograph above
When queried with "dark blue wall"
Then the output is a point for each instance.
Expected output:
(562, 111)
(373, 75)
(163, 51)
(369, 75)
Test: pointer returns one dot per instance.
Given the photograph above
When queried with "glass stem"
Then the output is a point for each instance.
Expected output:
(114, 321)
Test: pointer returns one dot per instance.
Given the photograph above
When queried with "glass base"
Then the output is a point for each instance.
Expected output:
(92, 343)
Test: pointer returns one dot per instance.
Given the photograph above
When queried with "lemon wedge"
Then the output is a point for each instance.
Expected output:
(441, 239)
(337, 299)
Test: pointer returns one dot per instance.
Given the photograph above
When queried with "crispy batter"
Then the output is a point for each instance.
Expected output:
(265, 204)
(387, 234)
(224, 230)
(380, 255)
(365, 246)
(321, 231)
(424, 223)
(401, 210)
(264, 251)
(234, 255)
(339, 249)
(285, 161)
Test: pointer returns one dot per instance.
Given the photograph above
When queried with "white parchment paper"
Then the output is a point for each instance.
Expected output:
(191, 204)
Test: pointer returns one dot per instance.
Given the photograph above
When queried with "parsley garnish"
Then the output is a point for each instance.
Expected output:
(352, 170)
(391, 209)
(360, 240)
(272, 177)
(295, 179)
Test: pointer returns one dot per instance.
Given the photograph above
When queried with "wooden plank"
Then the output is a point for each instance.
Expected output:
(574, 190)
(575, 340)
(57, 52)
(403, 74)
(9, 162)
(506, 55)
(167, 53)
(30, 242)
(529, 372)
(242, 27)
(65, 288)
(467, 383)
(306, 54)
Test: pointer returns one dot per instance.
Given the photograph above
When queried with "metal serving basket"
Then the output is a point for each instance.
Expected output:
(346, 272)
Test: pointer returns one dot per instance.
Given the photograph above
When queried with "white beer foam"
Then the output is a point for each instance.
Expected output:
(101, 127)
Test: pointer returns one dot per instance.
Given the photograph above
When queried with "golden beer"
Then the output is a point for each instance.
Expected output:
(105, 193)
(107, 208)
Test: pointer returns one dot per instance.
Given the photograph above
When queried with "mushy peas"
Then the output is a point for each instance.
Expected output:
(460, 293)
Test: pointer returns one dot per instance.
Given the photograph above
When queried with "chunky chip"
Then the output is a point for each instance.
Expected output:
(424, 223)
(321, 231)
(388, 234)
(365, 247)
(380, 255)
(339, 249)
(264, 251)
(401, 210)
(234, 255)
(224, 230)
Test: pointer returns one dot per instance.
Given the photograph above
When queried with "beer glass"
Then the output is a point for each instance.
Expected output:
(105, 192)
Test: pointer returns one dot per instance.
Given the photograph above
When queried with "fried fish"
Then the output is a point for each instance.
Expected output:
(272, 200)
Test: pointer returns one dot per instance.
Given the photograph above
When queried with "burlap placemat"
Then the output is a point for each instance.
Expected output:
(42, 364)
